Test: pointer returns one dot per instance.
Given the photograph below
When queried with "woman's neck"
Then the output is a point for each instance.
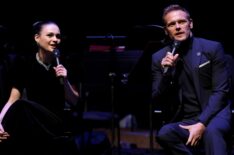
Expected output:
(45, 57)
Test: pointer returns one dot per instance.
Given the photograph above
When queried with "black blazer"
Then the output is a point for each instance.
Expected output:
(208, 73)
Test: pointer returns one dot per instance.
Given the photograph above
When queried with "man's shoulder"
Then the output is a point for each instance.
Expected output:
(208, 47)
(161, 51)
(206, 41)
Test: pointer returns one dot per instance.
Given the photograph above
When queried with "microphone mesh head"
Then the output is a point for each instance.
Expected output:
(176, 43)
(56, 53)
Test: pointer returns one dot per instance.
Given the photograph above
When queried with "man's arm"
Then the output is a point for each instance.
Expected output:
(220, 86)
(161, 81)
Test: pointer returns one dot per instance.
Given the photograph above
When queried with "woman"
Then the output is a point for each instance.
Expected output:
(39, 118)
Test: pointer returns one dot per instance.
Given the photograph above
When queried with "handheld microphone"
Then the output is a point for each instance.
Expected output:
(175, 45)
(56, 53)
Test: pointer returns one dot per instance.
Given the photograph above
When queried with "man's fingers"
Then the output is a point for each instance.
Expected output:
(193, 143)
(189, 140)
(184, 127)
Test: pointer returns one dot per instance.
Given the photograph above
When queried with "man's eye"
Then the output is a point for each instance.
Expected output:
(171, 24)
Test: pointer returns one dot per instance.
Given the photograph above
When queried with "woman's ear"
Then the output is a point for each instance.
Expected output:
(36, 38)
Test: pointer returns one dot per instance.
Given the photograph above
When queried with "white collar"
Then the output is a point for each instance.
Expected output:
(47, 67)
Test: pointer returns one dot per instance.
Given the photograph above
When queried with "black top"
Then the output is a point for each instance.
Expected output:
(41, 85)
(188, 98)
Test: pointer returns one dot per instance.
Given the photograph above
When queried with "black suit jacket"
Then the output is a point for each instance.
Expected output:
(209, 76)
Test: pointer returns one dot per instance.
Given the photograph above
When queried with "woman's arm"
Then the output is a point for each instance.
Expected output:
(14, 96)
(71, 95)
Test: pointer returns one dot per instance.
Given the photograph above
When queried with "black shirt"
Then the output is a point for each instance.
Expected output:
(41, 85)
(191, 107)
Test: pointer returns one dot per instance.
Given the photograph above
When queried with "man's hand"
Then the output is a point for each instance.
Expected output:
(169, 60)
(195, 133)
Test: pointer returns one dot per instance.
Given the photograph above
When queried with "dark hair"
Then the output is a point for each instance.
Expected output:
(37, 26)
(174, 7)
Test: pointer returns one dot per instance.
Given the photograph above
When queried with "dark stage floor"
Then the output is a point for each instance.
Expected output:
(137, 143)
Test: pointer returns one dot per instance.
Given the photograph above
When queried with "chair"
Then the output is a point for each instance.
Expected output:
(99, 81)
(88, 129)
(93, 118)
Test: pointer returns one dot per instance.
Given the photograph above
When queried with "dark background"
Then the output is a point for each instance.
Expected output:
(78, 19)
(212, 19)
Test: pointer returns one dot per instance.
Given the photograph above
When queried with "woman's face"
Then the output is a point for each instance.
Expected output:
(48, 38)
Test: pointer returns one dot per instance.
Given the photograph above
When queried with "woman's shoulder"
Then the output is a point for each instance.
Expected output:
(24, 60)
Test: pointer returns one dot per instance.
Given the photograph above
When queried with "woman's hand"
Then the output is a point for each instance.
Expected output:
(3, 135)
(60, 71)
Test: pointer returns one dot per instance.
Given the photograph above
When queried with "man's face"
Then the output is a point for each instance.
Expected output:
(177, 25)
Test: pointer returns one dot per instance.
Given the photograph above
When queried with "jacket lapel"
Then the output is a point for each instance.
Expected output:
(196, 59)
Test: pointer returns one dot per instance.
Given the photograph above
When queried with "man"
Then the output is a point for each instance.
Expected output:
(192, 73)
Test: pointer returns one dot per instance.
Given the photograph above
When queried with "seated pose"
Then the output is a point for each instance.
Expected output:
(36, 123)
(192, 73)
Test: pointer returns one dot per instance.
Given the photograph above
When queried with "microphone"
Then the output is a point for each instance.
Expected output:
(175, 45)
(56, 53)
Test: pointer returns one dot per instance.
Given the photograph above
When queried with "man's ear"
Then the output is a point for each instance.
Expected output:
(191, 24)
(165, 31)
